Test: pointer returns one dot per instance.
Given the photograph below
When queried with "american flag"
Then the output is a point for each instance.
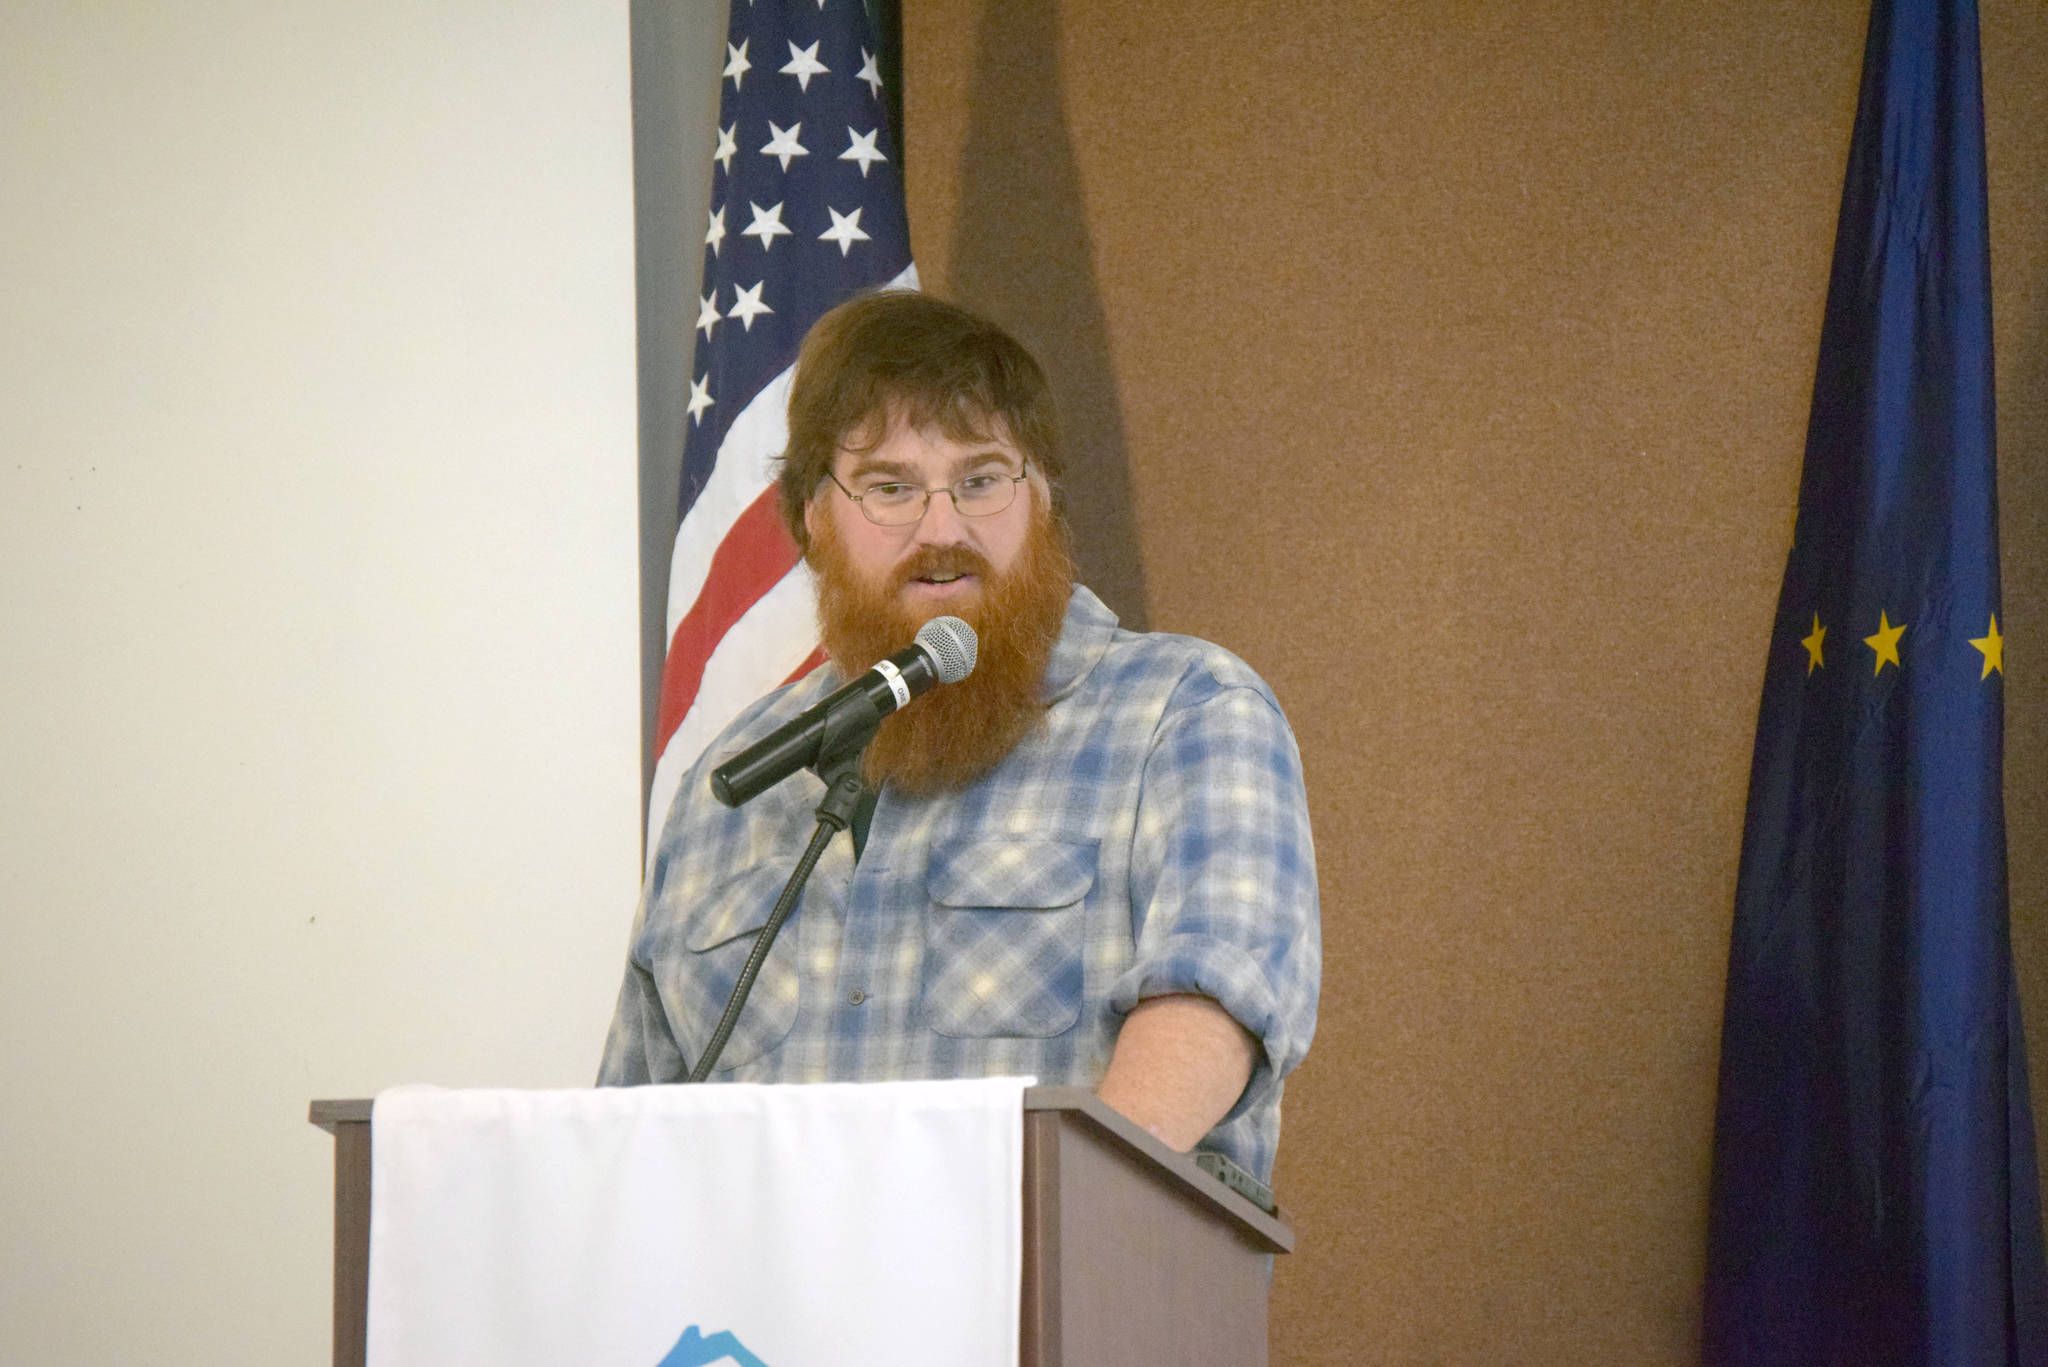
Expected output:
(806, 210)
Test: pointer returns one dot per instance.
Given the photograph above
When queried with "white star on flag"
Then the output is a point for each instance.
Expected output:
(767, 225)
(747, 304)
(708, 315)
(784, 145)
(700, 398)
(845, 230)
(870, 73)
(863, 149)
(804, 64)
(715, 234)
(737, 65)
(727, 145)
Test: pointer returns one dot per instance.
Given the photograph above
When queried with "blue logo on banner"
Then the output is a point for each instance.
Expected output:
(697, 1349)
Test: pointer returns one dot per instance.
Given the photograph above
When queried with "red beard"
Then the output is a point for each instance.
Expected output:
(955, 734)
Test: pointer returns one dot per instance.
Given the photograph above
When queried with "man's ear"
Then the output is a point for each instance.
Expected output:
(811, 516)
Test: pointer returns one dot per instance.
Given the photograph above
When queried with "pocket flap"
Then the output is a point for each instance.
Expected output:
(1013, 872)
(739, 906)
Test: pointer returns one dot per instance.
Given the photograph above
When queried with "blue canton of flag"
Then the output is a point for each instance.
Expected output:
(1874, 1196)
(806, 210)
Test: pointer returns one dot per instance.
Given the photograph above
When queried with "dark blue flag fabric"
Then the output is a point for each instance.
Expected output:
(1874, 1198)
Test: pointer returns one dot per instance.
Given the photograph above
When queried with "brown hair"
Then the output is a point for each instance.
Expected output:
(902, 356)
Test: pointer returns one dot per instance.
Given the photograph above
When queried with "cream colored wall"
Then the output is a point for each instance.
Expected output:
(318, 760)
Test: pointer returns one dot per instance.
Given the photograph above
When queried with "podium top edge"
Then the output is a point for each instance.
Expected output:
(331, 1114)
(1276, 1228)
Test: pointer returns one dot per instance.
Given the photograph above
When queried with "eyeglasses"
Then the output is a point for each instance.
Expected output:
(901, 505)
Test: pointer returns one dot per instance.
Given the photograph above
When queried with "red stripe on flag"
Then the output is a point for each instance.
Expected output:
(752, 559)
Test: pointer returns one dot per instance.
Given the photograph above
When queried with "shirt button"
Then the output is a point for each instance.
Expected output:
(856, 996)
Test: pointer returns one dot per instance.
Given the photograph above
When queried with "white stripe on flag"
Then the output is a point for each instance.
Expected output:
(746, 466)
(761, 650)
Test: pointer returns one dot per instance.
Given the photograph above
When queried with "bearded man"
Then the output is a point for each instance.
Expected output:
(1088, 861)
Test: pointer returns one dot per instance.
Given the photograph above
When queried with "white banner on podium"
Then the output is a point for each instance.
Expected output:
(765, 1226)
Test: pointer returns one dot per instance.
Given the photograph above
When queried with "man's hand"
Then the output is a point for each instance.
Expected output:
(1180, 1064)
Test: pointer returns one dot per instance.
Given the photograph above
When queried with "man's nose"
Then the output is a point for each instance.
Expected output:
(941, 524)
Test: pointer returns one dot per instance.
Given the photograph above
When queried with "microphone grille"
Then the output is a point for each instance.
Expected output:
(951, 644)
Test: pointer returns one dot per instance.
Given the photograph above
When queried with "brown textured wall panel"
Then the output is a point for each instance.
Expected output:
(1450, 363)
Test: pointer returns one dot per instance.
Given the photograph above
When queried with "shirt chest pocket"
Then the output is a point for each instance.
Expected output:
(720, 934)
(1004, 935)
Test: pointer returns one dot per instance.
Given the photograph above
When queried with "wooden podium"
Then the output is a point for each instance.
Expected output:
(1133, 1256)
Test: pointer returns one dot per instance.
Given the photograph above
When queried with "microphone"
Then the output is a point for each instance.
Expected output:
(944, 653)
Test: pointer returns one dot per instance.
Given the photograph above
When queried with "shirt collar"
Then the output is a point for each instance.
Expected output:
(1084, 639)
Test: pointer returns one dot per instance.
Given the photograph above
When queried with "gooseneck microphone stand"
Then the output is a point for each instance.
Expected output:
(848, 729)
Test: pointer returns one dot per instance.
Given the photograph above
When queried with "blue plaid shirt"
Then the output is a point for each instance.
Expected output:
(1150, 838)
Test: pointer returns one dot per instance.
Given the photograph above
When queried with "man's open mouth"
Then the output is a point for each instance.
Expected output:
(939, 568)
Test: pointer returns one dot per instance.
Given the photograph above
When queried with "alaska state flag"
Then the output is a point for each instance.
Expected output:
(1874, 1196)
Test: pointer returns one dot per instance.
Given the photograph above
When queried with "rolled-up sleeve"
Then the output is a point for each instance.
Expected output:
(1223, 877)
